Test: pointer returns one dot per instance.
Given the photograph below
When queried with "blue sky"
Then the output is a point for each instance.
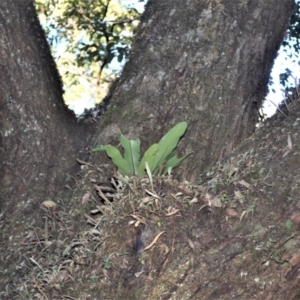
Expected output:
(139, 5)
(281, 63)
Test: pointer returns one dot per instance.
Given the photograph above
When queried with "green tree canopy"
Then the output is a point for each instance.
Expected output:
(87, 38)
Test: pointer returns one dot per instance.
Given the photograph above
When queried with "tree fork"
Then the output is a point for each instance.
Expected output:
(205, 62)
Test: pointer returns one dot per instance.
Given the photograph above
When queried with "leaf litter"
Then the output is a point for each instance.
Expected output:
(94, 241)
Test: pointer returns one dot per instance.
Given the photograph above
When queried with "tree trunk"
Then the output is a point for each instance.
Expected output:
(40, 138)
(205, 62)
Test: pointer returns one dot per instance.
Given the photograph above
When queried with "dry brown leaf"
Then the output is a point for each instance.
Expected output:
(191, 244)
(49, 204)
(82, 162)
(207, 198)
(147, 199)
(152, 194)
(295, 260)
(286, 153)
(172, 212)
(170, 208)
(48, 243)
(140, 219)
(244, 183)
(86, 198)
(216, 202)
(102, 195)
(137, 274)
(243, 214)
(290, 145)
(90, 219)
(105, 273)
(154, 241)
(232, 212)
(194, 200)
(296, 218)
(179, 194)
(203, 206)
(239, 196)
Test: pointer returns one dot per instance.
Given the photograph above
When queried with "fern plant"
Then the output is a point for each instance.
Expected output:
(160, 157)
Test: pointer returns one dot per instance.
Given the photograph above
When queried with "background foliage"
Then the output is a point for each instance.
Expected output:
(291, 46)
(89, 40)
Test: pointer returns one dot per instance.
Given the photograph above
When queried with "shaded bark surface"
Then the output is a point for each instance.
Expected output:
(205, 62)
(40, 138)
(242, 251)
(245, 249)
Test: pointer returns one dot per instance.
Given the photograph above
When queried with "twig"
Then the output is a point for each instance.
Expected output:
(40, 290)
(154, 241)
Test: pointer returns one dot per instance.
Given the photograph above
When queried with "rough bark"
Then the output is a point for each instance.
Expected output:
(205, 62)
(40, 137)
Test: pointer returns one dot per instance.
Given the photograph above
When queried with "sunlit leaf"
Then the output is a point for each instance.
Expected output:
(99, 148)
(118, 160)
(169, 142)
(149, 156)
(173, 163)
(131, 153)
(158, 156)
